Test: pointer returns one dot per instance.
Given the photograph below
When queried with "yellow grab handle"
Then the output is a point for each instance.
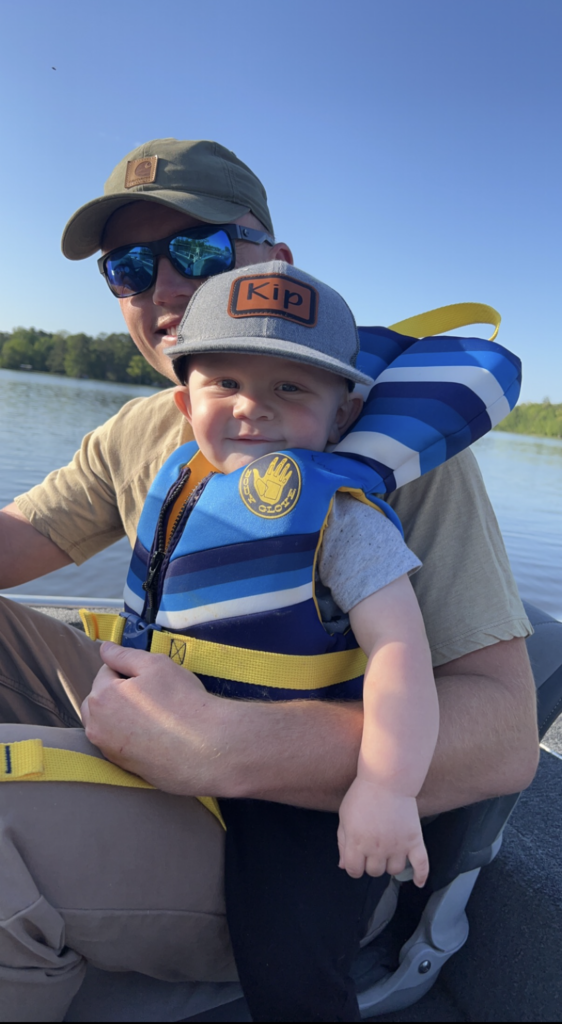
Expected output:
(448, 318)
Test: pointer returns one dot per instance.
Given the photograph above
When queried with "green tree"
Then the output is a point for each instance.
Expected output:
(111, 357)
(541, 419)
(18, 350)
(80, 360)
(114, 353)
(140, 372)
(55, 360)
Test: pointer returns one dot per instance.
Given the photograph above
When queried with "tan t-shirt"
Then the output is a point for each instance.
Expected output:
(466, 589)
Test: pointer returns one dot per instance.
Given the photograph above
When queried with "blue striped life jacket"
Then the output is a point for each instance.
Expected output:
(232, 594)
(254, 590)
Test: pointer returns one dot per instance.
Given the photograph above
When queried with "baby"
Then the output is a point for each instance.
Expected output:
(243, 406)
(261, 392)
(281, 575)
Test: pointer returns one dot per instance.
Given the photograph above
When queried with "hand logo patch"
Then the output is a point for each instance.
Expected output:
(270, 487)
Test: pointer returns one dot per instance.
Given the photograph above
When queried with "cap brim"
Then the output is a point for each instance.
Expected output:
(275, 347)
(83, 234)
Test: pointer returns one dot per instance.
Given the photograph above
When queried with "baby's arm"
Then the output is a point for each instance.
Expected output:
(379, 822)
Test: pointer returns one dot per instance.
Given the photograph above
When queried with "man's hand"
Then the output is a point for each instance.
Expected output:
(161, 724)
(150, 716)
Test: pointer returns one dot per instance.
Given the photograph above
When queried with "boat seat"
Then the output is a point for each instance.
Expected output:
(401, 963)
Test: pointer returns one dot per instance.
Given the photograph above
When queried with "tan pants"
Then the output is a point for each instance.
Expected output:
(129, 880)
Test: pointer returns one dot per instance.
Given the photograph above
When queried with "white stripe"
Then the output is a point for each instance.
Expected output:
(131, 599)
(479, 380)
(499, 410)
(385, 449)
(409, 471)
(233, 608)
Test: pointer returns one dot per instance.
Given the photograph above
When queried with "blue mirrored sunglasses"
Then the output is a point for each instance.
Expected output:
(193, 252)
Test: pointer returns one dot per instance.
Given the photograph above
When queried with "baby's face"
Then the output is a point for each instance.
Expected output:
(243, 406)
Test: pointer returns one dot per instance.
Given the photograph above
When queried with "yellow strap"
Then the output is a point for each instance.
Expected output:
(257, 668)
(102, 625)
(260, 668)
(448, 318)
(30, 761)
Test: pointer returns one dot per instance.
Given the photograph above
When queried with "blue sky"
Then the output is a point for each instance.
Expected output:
(410, 149)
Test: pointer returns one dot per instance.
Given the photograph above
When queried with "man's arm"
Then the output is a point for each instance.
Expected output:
(160, 723)
(25, 553)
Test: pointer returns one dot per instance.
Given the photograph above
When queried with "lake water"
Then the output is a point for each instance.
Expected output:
(43, 419)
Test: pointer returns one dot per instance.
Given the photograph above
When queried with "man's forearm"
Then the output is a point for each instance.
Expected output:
(306, 753)
(25, 553)
(488, 740)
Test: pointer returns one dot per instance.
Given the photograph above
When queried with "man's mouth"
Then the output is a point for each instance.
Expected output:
(169, 331)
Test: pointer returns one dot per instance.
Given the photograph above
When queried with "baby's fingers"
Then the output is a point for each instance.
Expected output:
(353, 862)
(420, 864)
(376, 865)
(351, 859)
(396, 863)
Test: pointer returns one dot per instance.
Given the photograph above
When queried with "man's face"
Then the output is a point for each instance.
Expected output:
(153, 317)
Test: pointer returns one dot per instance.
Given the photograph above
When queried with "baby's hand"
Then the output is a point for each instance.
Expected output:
(378, 831)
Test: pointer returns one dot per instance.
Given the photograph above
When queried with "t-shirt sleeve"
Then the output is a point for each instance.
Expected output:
(75, 506)
(466, 590)
(97, 498)
(361, 552)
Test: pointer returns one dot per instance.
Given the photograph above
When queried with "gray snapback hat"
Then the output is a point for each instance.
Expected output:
(197, 177)
(272, 309)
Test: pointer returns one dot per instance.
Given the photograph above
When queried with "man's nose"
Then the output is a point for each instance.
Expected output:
(171, 286)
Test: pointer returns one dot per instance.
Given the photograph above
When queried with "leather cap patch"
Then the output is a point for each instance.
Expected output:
(274, 295)
(141, 172)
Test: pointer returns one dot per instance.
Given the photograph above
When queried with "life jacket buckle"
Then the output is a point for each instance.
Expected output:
(137, 633)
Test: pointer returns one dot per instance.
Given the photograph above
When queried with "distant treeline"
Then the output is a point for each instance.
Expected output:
(112, 357)
(540, 418)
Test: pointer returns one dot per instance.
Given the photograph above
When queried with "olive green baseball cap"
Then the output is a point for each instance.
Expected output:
(198, 177)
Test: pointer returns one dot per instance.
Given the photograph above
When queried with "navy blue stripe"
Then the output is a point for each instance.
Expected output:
(386, 476)
(139, 560)
(269, 547)
(351, 690)
(430, 398)
(227, 574)
(441, 343)
(293, 630)
(382, 342)
(8, 755)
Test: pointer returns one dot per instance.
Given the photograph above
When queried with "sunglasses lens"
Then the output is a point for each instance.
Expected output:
(202, 257)
(131, 272)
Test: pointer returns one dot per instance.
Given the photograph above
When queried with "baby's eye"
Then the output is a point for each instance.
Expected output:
(228, 383)
(288, 387)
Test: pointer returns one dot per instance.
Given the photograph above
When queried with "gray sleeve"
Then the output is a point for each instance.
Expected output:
(361, 552)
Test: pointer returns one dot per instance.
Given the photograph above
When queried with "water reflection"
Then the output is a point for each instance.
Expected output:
(43, 419)
(523, 476)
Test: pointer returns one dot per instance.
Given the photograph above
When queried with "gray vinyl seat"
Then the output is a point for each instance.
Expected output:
(400, 964)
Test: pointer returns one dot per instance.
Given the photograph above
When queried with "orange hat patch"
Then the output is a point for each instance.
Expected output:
(274, 295)
(141, 172)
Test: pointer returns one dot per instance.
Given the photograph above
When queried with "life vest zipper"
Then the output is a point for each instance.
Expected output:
(162, 551)
(150, 585)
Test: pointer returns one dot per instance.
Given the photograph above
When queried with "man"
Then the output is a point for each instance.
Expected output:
(68, 883)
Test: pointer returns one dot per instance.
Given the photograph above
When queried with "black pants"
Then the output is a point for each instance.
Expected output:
(295, 918)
